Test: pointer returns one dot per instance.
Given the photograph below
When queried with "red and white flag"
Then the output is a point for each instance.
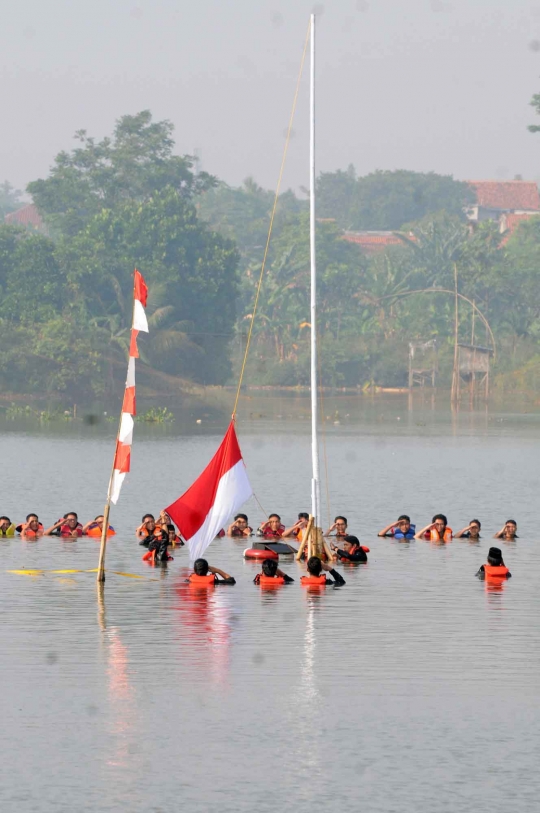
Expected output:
(122, 458)
(220, 490)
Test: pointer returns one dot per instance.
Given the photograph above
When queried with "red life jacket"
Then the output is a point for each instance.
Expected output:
(495, 571)
(270, 581)
(435, 537)
(65, 530)
(353, 550)
(313, 581)
(202, 581)
(268, 533)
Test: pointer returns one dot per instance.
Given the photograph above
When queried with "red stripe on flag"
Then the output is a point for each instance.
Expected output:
(191, 509)
(133, 349)
(122, 458)
(129, 404)
(140, 289)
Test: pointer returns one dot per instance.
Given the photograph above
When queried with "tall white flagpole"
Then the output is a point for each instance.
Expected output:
(315, 482)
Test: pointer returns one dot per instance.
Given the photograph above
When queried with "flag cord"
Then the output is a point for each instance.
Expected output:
(274, 207)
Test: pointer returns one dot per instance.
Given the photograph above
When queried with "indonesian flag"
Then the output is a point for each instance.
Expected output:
(220, 490)
(122, 460)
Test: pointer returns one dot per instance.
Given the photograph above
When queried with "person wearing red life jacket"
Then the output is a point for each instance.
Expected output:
(206, 576)
(272, 528)
(32, 528)
(352, 550)
(494, 568)
(67, 527)
(315, 577)
(437, 531)
(240, 526)
(271, 575)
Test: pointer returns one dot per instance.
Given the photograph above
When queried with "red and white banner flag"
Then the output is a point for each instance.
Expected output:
(122, 458)
(220, 490)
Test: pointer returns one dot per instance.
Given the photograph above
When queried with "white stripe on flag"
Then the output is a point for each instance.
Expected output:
(126, 429)
(232, 492)
(116, 485)
(130, 380)
(140, 322)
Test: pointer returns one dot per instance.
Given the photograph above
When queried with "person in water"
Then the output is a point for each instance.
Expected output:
(147, 526)
(32, 528)
(240, 526)
(67, 526)
(472, 531)
(437, 531)
(508, 531)
(402, 529)
(271, 574)
(204, 574)
(272, 528)
(96, 525)
(316, 578)
(495, 567)
(297, 530)
(7, 528)
(352, 550)
(338, 528)
(154, 533)
(174, 538)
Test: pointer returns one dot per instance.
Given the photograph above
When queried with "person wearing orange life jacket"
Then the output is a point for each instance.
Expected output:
(297, 530)
(352, 550)
(7, 528)
(437, 530)
(95, 527)
(206, 576)
(494, 568)
(147, 526)
(271, 575)
(32, 528)
(315, 578)
(67, 526)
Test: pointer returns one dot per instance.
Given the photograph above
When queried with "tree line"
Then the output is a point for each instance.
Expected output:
(128, 201)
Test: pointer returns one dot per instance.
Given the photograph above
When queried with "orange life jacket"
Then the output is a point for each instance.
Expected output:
(353, 551)
(202, 581)
(270, 581)
(95, 531)
(313, 581)
(495, 571)
(150, 556)
(434, 535)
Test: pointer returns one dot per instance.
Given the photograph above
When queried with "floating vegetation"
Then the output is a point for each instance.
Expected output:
(156, 415)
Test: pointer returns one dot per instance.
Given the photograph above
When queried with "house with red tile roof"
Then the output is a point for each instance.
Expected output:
(28, 217)
(509, 223)
(373, 242)
(495, 198)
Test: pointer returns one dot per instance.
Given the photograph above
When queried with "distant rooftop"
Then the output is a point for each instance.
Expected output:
(28, 216)
(506, 195)
(373, 241)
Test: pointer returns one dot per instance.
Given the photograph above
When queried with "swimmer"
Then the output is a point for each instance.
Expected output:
(352, 550)
(339, 526)
(32, 528)
(147, 526)
(67, 526)
(315, 578)
(402, 529)
(472, 531)
(174, 538)
(202, 572)
(297, 530)
(495, 567)
(270, 570)
(7, 528)
(96, 524)
(508, 531)
(437, 530)
(240, 526)
(272, 528)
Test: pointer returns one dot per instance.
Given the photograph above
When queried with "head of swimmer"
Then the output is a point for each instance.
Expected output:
(269, 567)
(404, 523)
(274, 521)
(71, 519)
(241, 521)
(314, 566)
(495, 557)
(474, 528)
(32, 522)
(5, 523)
(149, 523)
(439, 522)
(510, 529)
(341, 525)
(200, 567)
(350, 543)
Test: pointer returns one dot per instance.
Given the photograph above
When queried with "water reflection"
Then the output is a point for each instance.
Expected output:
(205, 628)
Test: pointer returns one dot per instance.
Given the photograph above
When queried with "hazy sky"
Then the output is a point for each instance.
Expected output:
(439, 85)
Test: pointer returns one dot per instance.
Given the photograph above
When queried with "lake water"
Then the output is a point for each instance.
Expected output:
(413, 688)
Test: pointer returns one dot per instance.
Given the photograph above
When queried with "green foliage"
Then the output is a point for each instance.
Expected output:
(156, 415)
(10, 199)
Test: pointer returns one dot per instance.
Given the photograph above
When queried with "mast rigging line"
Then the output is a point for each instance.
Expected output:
(272, 217)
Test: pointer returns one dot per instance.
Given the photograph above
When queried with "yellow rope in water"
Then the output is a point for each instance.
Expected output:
(276, 197)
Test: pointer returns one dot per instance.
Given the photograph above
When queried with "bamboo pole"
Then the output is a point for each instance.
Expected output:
(304, 541)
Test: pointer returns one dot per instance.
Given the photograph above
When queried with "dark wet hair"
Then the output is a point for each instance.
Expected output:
(440, 516)
(241, 516)
(8, 519)
(314, 565)
(343, 518)
(71, 514)
(148, 516)
(406, 518)
(476, 521)
(31, 515)
(200, 567)
(353, 540)
(513, 521)
(275, 515)
(170, 527)
(303, 515)
(495, 557)
(269, 567)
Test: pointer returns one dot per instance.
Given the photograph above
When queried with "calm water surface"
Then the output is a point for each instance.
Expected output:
(411, 689)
